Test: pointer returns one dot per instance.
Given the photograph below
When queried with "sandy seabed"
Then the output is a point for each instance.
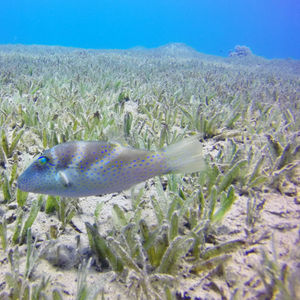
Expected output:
(150, 98)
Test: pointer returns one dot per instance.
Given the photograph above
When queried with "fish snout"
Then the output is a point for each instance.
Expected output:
(24, 183)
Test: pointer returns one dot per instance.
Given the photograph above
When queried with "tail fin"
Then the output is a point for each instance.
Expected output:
(185, 156)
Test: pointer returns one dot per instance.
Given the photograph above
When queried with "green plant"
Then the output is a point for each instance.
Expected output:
(65, 209)
(15, 139)
(84, 291)
(101, 249)
(276, 278)
(22, 226)
(3, 234)
(21, 287)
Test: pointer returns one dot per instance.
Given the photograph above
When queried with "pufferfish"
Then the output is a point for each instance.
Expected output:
(86, 168)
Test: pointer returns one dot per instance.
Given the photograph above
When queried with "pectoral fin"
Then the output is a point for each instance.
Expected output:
(63, 179)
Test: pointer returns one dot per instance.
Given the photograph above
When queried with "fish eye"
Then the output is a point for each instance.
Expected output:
(43, 160)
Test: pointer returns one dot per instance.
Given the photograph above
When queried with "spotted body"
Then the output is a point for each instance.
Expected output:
(79, 168)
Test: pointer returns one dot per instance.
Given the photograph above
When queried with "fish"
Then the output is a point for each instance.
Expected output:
(87, 168)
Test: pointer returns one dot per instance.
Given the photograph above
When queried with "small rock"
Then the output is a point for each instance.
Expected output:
(63, 256)
(12, 206)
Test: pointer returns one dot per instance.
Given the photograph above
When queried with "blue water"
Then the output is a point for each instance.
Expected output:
(271, 28)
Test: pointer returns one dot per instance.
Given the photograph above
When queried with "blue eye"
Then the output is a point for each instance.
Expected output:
(43, 160)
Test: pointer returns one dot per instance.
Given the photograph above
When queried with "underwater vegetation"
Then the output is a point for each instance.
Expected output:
(230, 231)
